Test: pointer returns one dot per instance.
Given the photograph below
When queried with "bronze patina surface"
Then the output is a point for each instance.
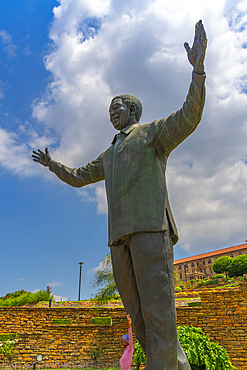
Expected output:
(142, 230)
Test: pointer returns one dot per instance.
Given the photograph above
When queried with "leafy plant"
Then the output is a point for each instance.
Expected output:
(6, 347)
(13, 299)
(101, 321)
(238, 267)
(218, 276)
(96, 352)
(104, 280)
(221, 264)
(182, 285)
(202, 354)
(139, 355)
(61, 322)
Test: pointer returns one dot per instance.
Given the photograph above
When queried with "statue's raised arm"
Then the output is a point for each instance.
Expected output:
(196, 54)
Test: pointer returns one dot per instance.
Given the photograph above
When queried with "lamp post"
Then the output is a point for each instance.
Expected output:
(79, 295)
(39, 358)
(185, 272)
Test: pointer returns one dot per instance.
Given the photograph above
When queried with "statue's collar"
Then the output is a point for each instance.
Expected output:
(126, 131)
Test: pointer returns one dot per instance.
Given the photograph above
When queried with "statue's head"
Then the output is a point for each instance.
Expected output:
(124, 111)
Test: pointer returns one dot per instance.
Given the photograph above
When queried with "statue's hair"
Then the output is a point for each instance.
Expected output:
(129, 100)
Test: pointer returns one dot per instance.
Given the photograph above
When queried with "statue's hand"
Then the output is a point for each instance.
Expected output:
(41, 157)
(196, 54)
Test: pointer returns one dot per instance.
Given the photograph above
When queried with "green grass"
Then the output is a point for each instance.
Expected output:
(61, 322)
(101, 321)
(41, 295)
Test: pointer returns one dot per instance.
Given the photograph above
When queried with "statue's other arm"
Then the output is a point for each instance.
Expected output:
(76, 177)
(171, 131)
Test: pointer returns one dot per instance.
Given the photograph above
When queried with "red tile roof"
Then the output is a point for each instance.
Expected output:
(210, 254)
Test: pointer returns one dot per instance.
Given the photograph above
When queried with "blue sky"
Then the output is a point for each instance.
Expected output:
(61, 63)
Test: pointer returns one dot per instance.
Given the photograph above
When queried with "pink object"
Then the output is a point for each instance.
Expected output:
(125, 361)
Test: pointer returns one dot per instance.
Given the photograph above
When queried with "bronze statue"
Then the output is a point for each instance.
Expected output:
(142, 231)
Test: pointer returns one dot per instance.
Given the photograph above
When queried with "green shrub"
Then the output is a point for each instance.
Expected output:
(4, 337)
(7, 342)
(61, 322)
(194, 304)
(238, 266)
(201, 353)
(27, 297)
(101, 321)
(221, 264)
(15, 294)
(182, 285)
(139, 355)
(178, 288)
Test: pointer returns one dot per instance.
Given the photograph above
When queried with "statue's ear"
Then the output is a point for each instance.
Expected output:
(132, 109)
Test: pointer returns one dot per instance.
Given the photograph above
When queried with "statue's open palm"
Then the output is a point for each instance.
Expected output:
(196, 54)
(41, 157)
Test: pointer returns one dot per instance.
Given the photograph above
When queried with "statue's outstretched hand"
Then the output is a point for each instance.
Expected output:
(41, 157)
(196, 54)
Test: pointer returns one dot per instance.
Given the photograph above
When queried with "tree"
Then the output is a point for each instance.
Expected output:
(238, 267)
(221, 264)
(104, 279)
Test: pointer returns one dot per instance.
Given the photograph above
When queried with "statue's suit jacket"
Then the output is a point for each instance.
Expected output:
(134, 169)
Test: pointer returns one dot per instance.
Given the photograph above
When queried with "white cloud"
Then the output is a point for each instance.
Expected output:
(104, 264)
(16, 149)
(59, 298)
(36, 290)
(10, 48)
(103, 48)
(22, 279)
(55, 283)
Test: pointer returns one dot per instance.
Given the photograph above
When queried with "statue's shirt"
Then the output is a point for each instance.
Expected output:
(134, 169)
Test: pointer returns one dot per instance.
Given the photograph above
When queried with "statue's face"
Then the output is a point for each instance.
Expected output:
(119, 114)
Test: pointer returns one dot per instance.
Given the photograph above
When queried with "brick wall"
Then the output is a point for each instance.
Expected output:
(222, 317)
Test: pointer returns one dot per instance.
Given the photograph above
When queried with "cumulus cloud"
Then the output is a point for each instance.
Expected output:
(16, 147)
(103, 48)
(103, 264)
(35, 291)
(58, 297)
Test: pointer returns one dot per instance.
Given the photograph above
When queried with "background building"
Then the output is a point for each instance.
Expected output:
(200, 266)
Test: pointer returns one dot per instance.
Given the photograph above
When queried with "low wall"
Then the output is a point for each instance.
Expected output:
(222, 317)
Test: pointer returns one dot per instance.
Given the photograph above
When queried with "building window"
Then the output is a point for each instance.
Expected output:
(204, 262)
(239, 253)
(179, 267)
(231, 255)
(209, 261)
(197, 264)
(192, 264)
(181, 276)
(211, 270)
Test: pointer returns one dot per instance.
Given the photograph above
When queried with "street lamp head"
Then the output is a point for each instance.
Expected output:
(39, 357)
(80, 263)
